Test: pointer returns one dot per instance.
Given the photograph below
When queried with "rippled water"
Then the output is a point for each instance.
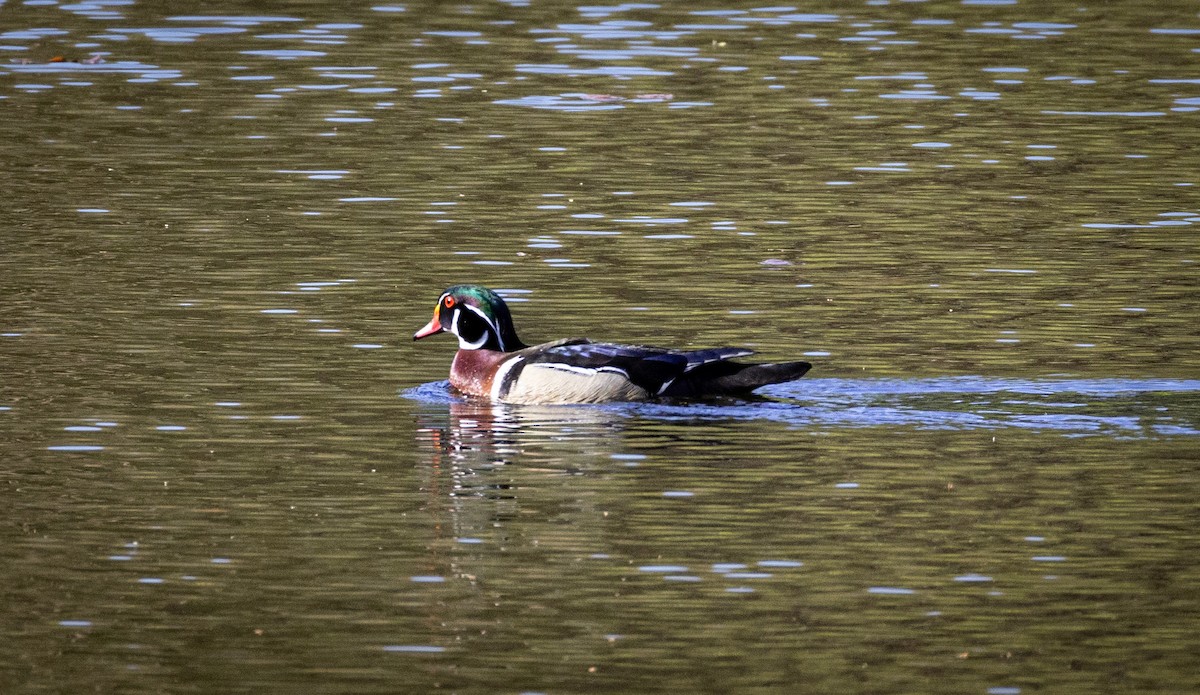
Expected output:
(1128, 407)
(227, 469)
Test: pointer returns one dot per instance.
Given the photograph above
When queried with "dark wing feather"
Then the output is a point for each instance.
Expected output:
(699, 358)
(725, 378)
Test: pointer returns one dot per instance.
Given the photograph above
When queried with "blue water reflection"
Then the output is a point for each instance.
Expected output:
(1126, 408)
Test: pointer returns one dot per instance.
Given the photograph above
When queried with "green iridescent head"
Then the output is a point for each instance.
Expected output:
(477, 316)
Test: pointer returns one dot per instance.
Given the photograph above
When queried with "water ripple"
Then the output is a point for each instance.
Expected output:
(1128, 408)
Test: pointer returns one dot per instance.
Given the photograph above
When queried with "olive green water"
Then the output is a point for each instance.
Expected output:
(226, 468)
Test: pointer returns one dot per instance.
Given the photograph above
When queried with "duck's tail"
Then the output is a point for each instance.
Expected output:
(725, 378)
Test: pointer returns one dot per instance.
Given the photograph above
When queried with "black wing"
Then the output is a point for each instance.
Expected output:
(699, 358)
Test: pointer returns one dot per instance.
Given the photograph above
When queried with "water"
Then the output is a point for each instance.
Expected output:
(227, 468)
(1115, 407)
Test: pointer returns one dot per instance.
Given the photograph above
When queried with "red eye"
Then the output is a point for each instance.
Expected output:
(449, 301)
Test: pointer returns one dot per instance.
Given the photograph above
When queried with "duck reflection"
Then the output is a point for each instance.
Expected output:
(490, 470)
(476, 436)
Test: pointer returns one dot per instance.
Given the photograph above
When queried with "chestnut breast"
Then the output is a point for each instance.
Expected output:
(472, 371)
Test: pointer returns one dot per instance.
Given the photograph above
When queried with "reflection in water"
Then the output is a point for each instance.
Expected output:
(481, 435)
(644, 528)
(1117, 407)
(467, 445)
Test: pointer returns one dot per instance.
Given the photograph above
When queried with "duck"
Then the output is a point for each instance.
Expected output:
(493, 364)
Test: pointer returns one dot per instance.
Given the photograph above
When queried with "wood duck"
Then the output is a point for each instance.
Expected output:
(492, 363)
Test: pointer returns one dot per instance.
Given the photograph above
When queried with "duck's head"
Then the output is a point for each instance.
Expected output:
(477, 315)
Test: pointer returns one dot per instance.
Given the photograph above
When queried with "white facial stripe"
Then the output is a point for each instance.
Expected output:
(488, 321)
(464, 345)
(584, 370)
(568, 368)
(498, 380)
(462, 342)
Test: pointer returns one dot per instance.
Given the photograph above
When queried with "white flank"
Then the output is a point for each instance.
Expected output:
(559, 383)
